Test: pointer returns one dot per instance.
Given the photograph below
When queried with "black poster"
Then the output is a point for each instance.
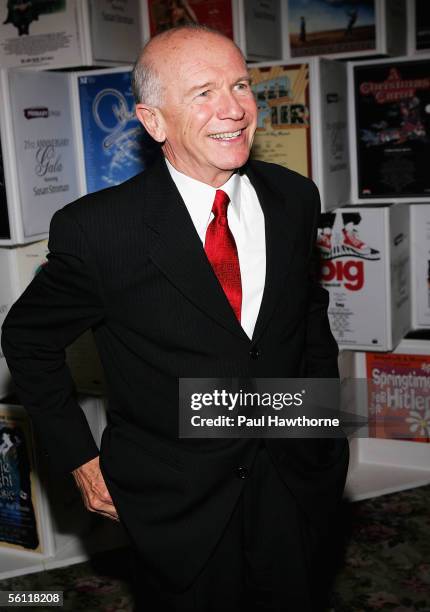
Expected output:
(422, 24)
(4, 218)
(22, 14)
(17, 517)
(393, 129)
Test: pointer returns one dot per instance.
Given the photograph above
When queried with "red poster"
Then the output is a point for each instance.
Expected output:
(399, 396)
(165, 14)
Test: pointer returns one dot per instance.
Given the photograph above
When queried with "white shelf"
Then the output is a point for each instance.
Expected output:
(14, 563)
(373, 479)
(378, 467)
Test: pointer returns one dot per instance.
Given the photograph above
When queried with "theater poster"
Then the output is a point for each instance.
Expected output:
(4, 213)
(399, 396)
(283, 129)
(263, 29)
(164, 14)
(321, 27)
(40, 33)
(392, 103)
(18, 524)
(44, 146)
(422, 25)
(115, 30)
(116, 147)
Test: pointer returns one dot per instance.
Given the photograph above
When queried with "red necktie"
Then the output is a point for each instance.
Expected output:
(221, 251)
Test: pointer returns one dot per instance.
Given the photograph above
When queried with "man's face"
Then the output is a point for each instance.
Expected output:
(208, 114)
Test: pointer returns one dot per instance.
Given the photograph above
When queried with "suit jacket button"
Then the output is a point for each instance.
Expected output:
(242, 472)
(254, 353)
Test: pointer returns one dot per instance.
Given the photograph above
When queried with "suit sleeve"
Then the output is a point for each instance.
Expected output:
(321, 351)
(61, 302)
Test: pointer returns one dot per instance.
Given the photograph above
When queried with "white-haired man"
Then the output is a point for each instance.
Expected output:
(201, 266)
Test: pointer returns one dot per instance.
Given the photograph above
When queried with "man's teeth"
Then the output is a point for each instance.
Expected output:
(226, 135)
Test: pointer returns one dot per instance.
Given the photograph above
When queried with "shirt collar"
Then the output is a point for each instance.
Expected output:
(199, 197)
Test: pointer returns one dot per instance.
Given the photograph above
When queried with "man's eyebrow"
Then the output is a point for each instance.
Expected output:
(246, 78)
(210, 84)
(201, 86)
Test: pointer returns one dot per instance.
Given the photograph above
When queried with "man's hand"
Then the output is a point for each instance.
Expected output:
(93, 489)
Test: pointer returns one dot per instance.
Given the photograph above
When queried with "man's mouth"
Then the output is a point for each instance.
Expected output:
(226, 135)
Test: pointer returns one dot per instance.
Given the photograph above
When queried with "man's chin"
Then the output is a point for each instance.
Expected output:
(234, 162)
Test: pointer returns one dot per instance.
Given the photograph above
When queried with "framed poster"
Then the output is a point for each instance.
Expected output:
(18, 525)
(283, 128)
(420, 265)
(40, 33)
(392, 128)
(4, 215)
(321, 27)
(399, 396)
(164, 14)
(116, 147)
(364, 258)
(422, 25)
(44, 146)
(115, 30)
(263, 29)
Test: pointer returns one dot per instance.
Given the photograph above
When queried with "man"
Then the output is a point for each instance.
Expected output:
(198, 267)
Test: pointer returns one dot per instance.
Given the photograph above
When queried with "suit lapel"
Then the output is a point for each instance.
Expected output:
(280, 231)
(176, 248)
(177, 251)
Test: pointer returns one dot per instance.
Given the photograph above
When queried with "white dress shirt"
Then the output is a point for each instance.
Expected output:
(246, 222)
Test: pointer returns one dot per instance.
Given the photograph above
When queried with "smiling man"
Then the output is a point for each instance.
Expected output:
(201, 266)
(205, 114)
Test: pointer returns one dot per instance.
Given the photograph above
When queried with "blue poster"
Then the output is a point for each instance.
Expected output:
(116, 146)
(17, 515)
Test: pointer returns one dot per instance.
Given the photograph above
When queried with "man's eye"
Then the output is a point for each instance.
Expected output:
(203, 94)
(242, 86)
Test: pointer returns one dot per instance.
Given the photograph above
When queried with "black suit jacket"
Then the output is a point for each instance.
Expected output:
(128, 262)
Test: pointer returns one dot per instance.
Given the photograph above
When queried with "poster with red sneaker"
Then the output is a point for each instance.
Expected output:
(399, 396)
(364, 259)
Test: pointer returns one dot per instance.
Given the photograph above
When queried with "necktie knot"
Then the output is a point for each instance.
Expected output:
(221, 202)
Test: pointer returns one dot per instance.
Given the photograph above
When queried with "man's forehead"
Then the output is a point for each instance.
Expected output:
(181, 47)
(200, 64)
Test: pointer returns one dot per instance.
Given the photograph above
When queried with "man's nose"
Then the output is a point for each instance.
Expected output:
(229, 107)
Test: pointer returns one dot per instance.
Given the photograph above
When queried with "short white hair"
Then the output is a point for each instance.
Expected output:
(146, 82)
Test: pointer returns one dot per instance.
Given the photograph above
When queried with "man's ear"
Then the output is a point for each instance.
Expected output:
(151, 119)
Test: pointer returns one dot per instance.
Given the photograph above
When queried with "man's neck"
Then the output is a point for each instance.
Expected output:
(216, 180)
